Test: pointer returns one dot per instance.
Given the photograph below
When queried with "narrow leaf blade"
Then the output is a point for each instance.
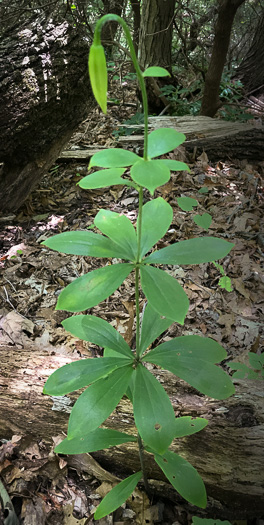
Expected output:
(103, 179)
(98, 401)
(183, 477)
(86, 243)
(119, 229)
(152, 326)
(153, 412)
(163, 140)
(157, 215)
(164, 293)
(113, 158)
(98, 439)
(193, 251)
(80, 374)
(150, 173)
(117, 496)
(97, 331)
(92, 288)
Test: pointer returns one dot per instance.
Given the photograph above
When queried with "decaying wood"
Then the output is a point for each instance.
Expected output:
(220, 139)
(228, 453)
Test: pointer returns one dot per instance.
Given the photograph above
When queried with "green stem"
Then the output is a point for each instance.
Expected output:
(142, 463)
(97, 41)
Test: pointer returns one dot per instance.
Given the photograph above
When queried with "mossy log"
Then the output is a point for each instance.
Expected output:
(228, 453)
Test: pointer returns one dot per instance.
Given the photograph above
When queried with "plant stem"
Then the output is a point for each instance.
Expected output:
(142, 463)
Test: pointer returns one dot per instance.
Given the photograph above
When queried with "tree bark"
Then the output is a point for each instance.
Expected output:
(44, 94)
(218, 138)
(135, 5)
(251, 69)
(228, 453)
(155, 45)
(226, 13)
(109, 30)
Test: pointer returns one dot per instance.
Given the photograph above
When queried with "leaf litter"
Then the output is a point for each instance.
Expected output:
(46, 488)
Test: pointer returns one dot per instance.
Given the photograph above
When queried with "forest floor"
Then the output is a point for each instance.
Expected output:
(33, 276)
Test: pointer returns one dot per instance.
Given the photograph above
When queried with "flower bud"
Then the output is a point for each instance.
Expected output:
(98, 75)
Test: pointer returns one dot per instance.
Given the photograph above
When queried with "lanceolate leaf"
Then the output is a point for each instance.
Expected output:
(156, 219)
(187, 425)
(92, 288)
(150, 173)
(85, 243)
(97, 402)
(120, 230)
(80, 374)
(183, 477)
(163, 140)
(192, 358)
(153, 412)
(164, 293)
(97, 331)
(187, 203)
(152, 326)
(156, 71)
(96, 440)
(117, 496)
(103, 178)
(192, 251)
(113, 158)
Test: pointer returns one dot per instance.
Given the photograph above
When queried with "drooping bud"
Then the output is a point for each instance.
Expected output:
(98, 74)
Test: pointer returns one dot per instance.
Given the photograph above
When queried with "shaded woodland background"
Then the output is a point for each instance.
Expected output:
(50, 126)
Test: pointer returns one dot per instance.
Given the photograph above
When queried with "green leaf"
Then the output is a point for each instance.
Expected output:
(150, 173)
(225, 283)
(242, 371)
(96, 440)
(205, 521)
(156, 219)
(192, 358)
(117, 496)
(120, 230)
(113, 158)
(103, 179)
(183, 477)
(176, 165)
(164, 293)
(84, 243)
(152, 326)
(93, 287)
(193, 251)
(204, 220)
(80, 374)
(98, 401)
(98, 74)
(153, 412)
(99, 332)
(204, 189)
(256, 360)
(187, 425)
(156, 71)
(163, 140)
(186, 203)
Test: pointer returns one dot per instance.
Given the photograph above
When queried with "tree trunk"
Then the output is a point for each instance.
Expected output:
(228, 453)
(109, 30)
(226, 13)
(155, 45)
(251, 69)
(44, 93)
(135, 5)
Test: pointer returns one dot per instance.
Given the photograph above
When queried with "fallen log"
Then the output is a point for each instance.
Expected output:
(220, 139)
(228, 453)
